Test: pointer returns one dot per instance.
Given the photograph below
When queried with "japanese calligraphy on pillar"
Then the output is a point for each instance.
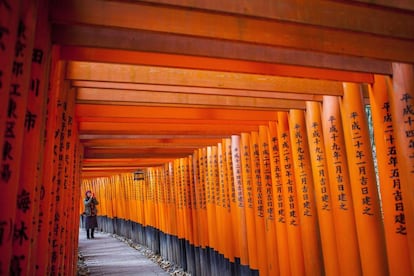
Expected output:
(303, 178)
(258, 179)
(394, 215)
(13, 103)
(399, 217)
(288, 176)
(9, 17)
(337, 153)
(365, 196)
(407, 114)
(361, 163)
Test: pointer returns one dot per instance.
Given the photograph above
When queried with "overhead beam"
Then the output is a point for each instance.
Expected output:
(144, 41)
(232, 27)
(149, 112)
(194, 90)
(150, 143)
(198, 78)
(141, 128)
(124, 162)
(359, 18)
(398, 4)
(118, 96)
(137, 152)
(206, 63)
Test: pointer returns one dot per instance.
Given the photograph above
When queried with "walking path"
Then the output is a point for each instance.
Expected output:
(105, 255)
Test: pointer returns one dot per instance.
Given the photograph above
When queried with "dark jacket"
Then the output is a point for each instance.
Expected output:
(90, 206)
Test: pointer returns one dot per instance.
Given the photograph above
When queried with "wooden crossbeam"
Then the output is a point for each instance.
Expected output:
(145, 128)
(235, 27)
(150, 143)
(208, 63)
(172, 113)
(359, 18)
(195, 90)
(199, 78)
(155, 42)
(118, 96)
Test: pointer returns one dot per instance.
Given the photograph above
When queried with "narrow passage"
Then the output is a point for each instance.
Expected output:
(105, 255)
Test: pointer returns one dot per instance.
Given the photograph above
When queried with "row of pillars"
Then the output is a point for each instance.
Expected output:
(300, 196)
(40, 161)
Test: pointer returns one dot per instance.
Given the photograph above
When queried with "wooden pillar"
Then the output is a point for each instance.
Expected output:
(312, 251)
(9, 19)
(238, 200)
(46, 204)
(262, 246)
(340, 188)
(290, 196)
(34, 127)
(402, 111)
(13, 231)
(390, 182)
(273, 256)
(249, 204)
(322, 190)
(363, 182)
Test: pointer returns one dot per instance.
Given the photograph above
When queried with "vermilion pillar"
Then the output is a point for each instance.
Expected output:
(402, 110)
(389, 179)
(363, 182)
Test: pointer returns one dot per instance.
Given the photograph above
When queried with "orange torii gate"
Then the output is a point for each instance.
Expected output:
(331, 198)
(296, 194)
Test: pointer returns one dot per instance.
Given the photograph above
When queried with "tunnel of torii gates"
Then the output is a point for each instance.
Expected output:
(248, 120)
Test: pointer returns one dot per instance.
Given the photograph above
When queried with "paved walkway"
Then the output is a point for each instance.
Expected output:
(106, 255)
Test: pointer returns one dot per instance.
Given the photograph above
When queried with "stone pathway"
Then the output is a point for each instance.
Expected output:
(106, 255)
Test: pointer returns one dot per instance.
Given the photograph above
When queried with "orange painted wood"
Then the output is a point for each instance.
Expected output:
(340, 187)
(117, 96)
(207, 63)
(274, 259)
(46, 199)
(262, 246)
(365, 18)
(293, 223)
(192, 90)
(14, 243)
(9, 19)
(368, 219)
(249, 201)
(30, 181)
(182, 129)
(401, 99)
(202, 198)
(278, 199)
(200, 78)
(172, 113)
(226, 242)
(312, 250)
(388, 170)
(238, 201)
(238, 28)
(147, 143)
(210, 201)
(231, 200)
(141, 40)
(323, 197)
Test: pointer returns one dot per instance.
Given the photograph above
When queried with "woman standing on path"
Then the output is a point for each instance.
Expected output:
(90, 214)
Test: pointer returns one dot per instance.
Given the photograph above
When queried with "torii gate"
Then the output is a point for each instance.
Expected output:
(248, 120)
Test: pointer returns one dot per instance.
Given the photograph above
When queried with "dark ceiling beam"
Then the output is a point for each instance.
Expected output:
(343, 15)
(144, 41)
(169, 19)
